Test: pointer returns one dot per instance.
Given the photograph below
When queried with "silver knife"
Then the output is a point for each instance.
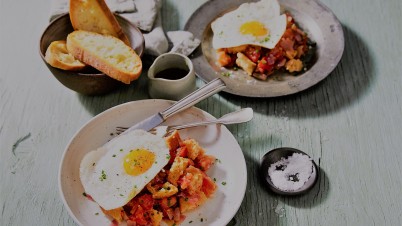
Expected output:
(153, 121)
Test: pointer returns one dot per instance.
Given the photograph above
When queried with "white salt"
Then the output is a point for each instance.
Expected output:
(290, 174)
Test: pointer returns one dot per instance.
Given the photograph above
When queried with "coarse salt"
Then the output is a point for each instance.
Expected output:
(290, 174)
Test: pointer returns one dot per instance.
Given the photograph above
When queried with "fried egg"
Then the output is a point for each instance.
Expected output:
(257, 23)
(116, 172)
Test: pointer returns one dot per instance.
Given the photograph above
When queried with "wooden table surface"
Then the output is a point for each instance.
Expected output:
(350, 123)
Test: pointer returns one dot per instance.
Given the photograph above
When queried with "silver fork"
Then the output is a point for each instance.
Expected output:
(240, 116)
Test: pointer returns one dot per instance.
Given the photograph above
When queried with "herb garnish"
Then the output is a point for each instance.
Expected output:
(226, 74)
(103, 176)
(266, 39)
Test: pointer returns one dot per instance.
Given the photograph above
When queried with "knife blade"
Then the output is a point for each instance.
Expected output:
(148, 123)
(202, 93)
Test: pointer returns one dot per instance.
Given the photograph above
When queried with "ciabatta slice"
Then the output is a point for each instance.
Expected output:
(58, 56)
(106, 53)
(95, 16)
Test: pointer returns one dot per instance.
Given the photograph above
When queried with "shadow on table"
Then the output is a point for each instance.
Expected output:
(350, 80)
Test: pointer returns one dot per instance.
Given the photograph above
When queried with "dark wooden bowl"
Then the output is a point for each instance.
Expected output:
(88, 81)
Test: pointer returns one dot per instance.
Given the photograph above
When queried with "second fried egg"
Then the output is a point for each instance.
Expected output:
(256, 23)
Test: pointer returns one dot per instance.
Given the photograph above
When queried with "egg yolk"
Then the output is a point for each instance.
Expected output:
(138, 161)
(253, 28)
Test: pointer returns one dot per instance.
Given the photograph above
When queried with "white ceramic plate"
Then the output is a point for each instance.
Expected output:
(217, 140)
(313, 17)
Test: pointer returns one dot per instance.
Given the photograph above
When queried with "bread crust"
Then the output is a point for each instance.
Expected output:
(57, 56)
(95, 16)
(103, 63)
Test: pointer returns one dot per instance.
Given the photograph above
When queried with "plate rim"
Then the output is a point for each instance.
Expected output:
(116, 108)
(205, 72)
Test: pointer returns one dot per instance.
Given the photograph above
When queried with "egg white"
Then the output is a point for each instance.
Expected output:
(117, 187)
(226, 28)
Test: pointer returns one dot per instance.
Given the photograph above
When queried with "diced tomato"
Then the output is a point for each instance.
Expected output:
(205, 162)
(253, 53)
(163, 203)
(193, 199)
(265, 65)
(131, 206)
(208, 186)
(182, 152)
(139, 216)
(173, 154)
(146, 201)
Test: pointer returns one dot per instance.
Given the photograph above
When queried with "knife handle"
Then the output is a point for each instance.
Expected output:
(198, 95)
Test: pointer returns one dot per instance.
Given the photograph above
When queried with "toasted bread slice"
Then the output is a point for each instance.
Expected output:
(95, 16)
(58, 56)
(106, 53)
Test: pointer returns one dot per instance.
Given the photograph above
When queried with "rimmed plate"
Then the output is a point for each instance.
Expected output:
(230, 172)
(312, 16)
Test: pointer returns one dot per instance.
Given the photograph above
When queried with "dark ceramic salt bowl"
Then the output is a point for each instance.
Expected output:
(88, 81)
(274, 156)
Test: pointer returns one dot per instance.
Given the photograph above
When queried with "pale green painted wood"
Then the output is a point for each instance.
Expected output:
(350, 123)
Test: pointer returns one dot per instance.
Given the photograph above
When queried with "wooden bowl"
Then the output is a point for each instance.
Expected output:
(88, 81)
